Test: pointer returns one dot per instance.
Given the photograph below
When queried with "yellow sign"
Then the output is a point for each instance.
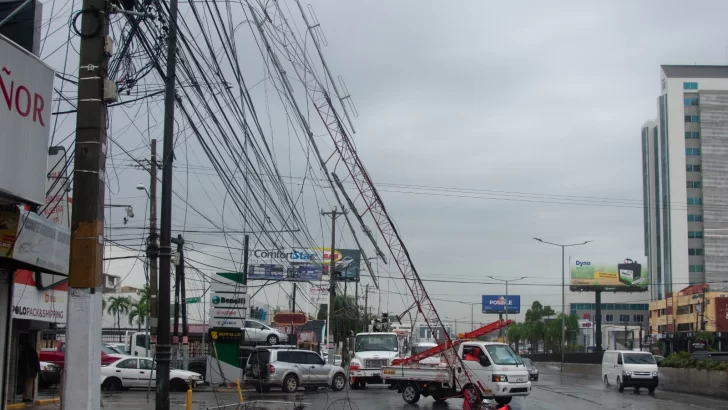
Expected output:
(8, 230)
(389, 371)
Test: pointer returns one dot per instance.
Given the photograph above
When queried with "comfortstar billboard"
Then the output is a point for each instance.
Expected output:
(628, 276)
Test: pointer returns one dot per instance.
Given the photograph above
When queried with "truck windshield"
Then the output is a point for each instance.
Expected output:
(503, 355)
(376, 343)
(638, 358)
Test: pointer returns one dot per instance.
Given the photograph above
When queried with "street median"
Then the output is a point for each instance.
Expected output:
(713, 383)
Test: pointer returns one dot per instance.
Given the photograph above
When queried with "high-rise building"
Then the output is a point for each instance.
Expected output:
(685, 180)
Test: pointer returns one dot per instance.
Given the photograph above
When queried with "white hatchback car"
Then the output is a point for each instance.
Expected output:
(136, 372)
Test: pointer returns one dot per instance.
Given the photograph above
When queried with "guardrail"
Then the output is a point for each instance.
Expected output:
(584, 358)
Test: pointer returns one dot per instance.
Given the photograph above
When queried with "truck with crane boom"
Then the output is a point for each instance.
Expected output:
(368, 200)
(493, 369)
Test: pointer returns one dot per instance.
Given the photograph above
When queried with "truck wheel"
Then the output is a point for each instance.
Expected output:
(362, 385)
(503, 400)
(353, 384)
(410, 393)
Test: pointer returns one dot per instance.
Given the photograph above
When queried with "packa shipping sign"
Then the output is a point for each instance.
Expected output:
(26, 87)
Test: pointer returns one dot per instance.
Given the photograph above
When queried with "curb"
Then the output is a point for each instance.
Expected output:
(44, 402)
(16, 406)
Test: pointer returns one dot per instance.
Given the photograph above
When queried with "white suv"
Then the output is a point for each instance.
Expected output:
(291, 368)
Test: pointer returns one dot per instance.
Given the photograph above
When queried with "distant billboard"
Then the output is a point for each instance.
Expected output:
(628, 276)
(266, 272)
(501, 304)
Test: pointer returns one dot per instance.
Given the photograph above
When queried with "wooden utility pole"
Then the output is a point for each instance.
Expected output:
(332, 284)
(83, 324)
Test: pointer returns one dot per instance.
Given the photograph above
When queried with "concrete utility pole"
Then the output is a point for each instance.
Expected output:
(563, 294)
(83, 325)
(332, 284)
(180, 274)
(153, 248)
(165, 248)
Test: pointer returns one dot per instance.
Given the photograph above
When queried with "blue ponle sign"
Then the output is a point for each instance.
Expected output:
(501, 304)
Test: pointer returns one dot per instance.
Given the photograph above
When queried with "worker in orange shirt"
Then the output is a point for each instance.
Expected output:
(473, 355)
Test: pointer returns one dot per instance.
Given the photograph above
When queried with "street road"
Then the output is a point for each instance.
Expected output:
(552, 392)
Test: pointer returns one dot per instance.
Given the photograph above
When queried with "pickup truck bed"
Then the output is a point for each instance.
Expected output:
(426, 373)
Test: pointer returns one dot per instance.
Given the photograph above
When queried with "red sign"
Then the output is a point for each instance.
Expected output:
(288, 318)
(721, 314)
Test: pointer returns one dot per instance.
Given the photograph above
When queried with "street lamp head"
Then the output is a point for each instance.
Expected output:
(538, 239)
(141, 187)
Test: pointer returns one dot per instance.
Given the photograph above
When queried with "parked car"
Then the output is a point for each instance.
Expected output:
(532, 369)
(57, 355)
(136, 372)
(119, 348)
(258, 332)
(50, 374)
(291, 368)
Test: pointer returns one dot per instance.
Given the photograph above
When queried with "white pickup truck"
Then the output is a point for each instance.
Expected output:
(498, 373)
(372, 350)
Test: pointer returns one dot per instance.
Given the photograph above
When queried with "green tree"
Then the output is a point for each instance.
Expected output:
(117, 306)
(552, 333)
(139, 309)
(515, 334)
(533, 329)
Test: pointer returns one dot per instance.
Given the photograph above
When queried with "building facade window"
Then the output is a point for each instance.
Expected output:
(695, 251)
(694, 152)
(692, 135)
(690, 86)
(638, 318)
(692, 118)
(695, 184)
(692, 168)
(609, 318)
(691, 101)
(695, 234)
(696, 268)
(695, 201)
(695, 218)
(623, 318)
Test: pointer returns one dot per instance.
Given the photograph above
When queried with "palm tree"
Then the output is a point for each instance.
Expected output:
(138, 310)
(118, 305)
(515, 334)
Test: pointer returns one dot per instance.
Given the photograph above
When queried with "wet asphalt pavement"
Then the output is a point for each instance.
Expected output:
(552, 392)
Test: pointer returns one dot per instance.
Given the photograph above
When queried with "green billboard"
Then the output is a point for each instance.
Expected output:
(628, 276)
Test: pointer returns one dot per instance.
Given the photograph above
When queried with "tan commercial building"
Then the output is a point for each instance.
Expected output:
(676, 319)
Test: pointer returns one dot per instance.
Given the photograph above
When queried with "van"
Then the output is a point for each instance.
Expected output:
(627, 368)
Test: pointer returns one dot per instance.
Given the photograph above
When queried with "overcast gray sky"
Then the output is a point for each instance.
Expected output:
(536, 105)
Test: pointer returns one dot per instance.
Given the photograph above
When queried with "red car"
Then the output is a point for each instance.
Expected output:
(57, 356)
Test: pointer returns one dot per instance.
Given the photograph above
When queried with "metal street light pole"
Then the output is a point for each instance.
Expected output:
(563, 293)
(506, 281)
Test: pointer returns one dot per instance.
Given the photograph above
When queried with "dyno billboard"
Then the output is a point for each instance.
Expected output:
(26, 87)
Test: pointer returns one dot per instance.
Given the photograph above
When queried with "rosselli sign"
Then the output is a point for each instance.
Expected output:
(26, 87)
